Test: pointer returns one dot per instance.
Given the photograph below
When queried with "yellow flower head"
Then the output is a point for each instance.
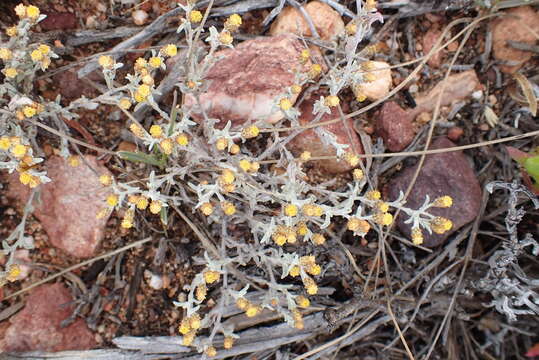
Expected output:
(167, 145)
(182, 140)
(206, 208)
(227, 176)
(10, 72)
(252, 310)
(245, 165)
(351, 28)
(358, 174)
(155, 62)
(285, 104)
(188, 338)
(5, 143)
(20, 10)
(74, 161)
(105, 180)
(318, 239)
(233, 22)
(250, 132)
(443, 202)
(12, 31)
(234, 149)
(228, 208)
(32, 12)
(137, 130)
(294, 271)
(25, 177)
(142, 202)
(302, 301)
(156, 131)
(295, 89)
(210, 351)
(383, 218)
(331, 101)
(124, 103)
(358, 225)
(169, 50)
(290, 210)
(106, 62)
(144, 90)
(361, 97)
(225, 37)
(228, 342)
(221, 143)
(112, 200)
(184, 327)
(140, 64)
(195, 16)
(155, 207)
(36, 55)
(351, 158)
(148, 80)
(29, 111)
(373, 195)
(201, 292)
(304, 56)
(440, 225)
(315, 70)
(19, 150)
(211, 276)
(417, 236)
(13, 272)
(5, 54)
(242, 303)
(44, 49)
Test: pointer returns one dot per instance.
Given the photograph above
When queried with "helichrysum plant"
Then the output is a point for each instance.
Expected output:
(222, 174)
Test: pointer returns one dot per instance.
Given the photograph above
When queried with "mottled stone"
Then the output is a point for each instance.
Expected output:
(38, 326)
(69, 204)
(394, 126)
(327, 22)
(514, 26)
(308, 140)
(457, 87)
(244, 84)
(448, 173)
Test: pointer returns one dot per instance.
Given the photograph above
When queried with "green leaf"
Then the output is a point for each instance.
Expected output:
(164, 215)
(531, 165)
(140, 157)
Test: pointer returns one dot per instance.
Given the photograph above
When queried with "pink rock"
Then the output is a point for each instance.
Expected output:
(457, 87)
(59, 21)
(395, 126)
(37, 326)
(513, 27)
(428, 41)
(69, 204)
(442, 174)
(308, 140)
(327, 22)
(244, 84)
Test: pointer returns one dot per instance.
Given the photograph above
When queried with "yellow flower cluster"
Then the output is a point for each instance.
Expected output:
(440, 225)
(233, 22)
(358, 226)
(249, 166)
(251, 310)
(27, 12)
(189, 327)
(21, 152)
(250, 132)
(284, 234)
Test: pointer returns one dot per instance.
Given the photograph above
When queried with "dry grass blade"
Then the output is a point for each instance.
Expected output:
(527, 89)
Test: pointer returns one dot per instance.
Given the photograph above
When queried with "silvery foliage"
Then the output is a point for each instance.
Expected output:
(513, 291)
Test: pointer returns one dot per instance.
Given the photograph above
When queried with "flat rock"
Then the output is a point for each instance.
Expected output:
(245, 83)
(69, 204)
(394, 125)
(428, 41)
(457, 87)
(59, 21)
(442, 174)
(37, 327)
(308, 140)
(379, 88)
(327, 22)
(513, 27)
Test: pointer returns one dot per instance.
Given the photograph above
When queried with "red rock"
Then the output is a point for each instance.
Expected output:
(308, 140)
(513, 27)
(455, 133)
(244, 84)
(71, 87)
(69, 204)
(59, 21)
(394, 126)
(428, 41)
(327, 22)
(457, 87)
(38, 326)
(442, 174)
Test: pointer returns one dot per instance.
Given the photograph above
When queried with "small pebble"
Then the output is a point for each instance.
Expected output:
(139, 17)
